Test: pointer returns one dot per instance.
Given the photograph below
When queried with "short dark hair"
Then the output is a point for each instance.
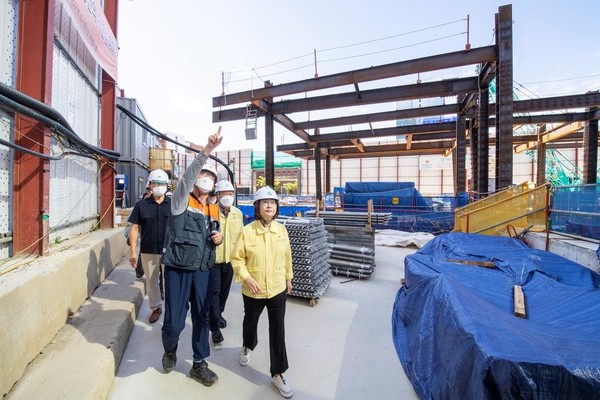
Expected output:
(257, 210)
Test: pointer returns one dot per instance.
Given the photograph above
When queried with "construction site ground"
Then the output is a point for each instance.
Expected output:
(340, 349)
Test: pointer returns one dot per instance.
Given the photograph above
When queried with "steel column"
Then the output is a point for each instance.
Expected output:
(318, 186)
(541, 159)
(269, 151)
(328, 174)
(474, 145)
(459, 155)
(590, 149)
(483, 153)
(108, 129)
(504, 98)
(31, 191)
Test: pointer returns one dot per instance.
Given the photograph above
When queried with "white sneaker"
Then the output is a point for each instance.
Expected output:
(245, 356)
(284, 388)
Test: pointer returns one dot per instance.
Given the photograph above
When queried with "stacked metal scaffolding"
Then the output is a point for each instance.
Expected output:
(310, 256)
(353, 240)
(351, 218)
(353, 251)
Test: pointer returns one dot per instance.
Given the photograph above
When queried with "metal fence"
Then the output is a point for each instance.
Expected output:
(575, 210)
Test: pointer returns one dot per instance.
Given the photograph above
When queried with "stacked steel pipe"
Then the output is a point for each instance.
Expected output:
(310, 256)
(353, 250)
(351, 218)
(353, 243)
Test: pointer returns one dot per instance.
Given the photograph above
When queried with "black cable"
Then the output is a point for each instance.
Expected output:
(46, 111)
(154, 132)
(21, 109)
(42, 155)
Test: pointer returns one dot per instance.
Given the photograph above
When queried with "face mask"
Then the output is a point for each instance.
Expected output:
(159, 191)
(226, 201)
(204, 184)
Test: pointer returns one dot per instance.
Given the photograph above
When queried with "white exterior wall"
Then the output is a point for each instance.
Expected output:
(74, 181)
(8, 37)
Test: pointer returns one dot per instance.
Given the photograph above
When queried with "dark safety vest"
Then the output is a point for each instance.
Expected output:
(187, 241)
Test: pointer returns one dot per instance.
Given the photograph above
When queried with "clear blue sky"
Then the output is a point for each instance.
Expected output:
(172, 54)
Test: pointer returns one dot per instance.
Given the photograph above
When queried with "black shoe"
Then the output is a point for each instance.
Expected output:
(168, 361)
(203, 374)
(139, 269)
(222, 323)
(217, 337)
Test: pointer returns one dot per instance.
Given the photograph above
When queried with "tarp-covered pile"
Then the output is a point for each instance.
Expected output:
(457, 336)
(310, 256)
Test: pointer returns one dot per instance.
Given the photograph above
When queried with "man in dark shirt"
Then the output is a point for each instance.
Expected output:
(149, 218)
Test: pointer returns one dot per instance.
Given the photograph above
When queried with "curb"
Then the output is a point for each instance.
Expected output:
(82, 359)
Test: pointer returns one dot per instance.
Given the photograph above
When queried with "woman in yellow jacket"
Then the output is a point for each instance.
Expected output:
(262, 263)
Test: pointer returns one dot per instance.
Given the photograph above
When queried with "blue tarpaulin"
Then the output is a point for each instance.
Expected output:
(397, 199)
(375, 187)
(457, 337)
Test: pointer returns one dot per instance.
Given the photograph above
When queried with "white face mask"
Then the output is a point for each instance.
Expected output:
(205, 184)
(159, 191)
(226, 201)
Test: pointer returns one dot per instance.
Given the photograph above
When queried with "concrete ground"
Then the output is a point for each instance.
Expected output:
(340, 349)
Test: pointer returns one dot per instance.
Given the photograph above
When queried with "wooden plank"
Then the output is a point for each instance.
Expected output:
(519, 301)
(486, 264)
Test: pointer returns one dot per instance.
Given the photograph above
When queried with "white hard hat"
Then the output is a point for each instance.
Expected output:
(211, 169)
(265, 193)
(224, 186)
(158, 176)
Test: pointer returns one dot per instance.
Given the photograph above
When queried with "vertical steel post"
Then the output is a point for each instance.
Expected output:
(483, 143)
(590, 149)
(504, 98)
(328, 174)
(31, 191)
(108, 129)
(459, 155)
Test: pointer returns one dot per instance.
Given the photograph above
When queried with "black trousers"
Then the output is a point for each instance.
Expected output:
(184, 290)
(276, 313)
(219, 285)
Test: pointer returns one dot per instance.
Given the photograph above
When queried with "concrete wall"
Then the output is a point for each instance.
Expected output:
(37, 299)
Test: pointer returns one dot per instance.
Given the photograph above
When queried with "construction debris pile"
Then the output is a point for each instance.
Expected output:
(353, 241)
(310, 256)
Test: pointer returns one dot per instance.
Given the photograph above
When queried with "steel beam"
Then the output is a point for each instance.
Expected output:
(31, 178)
(383, 132)
(234, 114)
(443, 88)
(283, 120)
(402, 68)
(557, 103)
(382, 116)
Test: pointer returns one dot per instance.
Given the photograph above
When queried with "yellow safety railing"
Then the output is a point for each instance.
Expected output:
(521, 207)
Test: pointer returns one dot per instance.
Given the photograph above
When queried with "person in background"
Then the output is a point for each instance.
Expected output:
(148, 192)
(212, 197)
(189, 250)
(262, 263)
(149, 220)
(221, 274)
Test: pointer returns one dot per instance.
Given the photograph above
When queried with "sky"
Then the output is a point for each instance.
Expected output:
(175, 56)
